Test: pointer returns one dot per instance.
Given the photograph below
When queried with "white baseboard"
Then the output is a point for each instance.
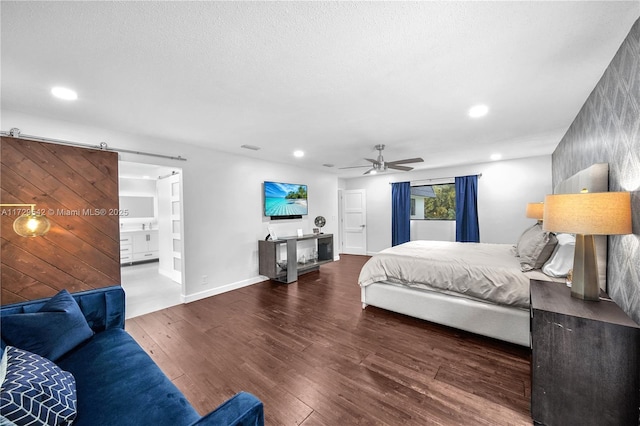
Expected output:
(223, 289)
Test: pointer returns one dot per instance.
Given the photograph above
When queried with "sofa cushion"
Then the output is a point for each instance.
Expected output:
(118, 383)
(52, 331)
(34, 390)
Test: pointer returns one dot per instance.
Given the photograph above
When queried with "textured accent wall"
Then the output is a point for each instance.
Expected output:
(77, 189)
(607, 129)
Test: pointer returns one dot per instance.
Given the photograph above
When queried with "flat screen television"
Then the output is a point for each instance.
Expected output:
(285, 200)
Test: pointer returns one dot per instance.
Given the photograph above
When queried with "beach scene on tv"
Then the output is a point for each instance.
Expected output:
(284, 199)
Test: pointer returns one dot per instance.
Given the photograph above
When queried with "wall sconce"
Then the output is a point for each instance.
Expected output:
(587, 214)
(30, 224)
(535, 211)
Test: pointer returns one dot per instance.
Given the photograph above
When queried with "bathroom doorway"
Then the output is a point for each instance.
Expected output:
(151, 236)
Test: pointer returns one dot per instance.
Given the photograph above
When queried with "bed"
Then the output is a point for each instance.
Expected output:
(476, 287)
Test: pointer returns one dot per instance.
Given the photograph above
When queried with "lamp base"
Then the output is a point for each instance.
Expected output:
(585, 270)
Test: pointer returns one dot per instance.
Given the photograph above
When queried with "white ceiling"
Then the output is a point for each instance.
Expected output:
(330, 78)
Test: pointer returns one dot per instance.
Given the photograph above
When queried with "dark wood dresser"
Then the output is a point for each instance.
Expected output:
(585, 366)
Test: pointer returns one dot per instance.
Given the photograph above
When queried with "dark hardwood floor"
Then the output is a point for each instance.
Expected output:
(314, 357)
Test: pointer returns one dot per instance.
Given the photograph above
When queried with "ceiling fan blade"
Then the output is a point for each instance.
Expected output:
(373, 161)
(369, 171)
(395, 167)
(408, 160)
(352, 167)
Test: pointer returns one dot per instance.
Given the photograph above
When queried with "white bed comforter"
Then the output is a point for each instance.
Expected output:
(484, 271)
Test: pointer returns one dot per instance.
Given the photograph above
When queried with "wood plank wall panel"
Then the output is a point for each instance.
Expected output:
(82, 250)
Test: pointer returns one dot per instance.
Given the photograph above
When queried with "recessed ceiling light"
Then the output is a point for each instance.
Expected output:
(298, 154)
(64, 93)
(496, 157)
(478, 111)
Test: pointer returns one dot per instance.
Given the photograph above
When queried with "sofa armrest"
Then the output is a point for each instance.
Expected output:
(243, 409)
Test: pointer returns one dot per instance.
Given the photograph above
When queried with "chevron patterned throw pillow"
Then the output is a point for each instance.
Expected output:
(35, 391)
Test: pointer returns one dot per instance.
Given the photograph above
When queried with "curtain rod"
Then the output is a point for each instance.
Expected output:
(15, 133)
(439, 178)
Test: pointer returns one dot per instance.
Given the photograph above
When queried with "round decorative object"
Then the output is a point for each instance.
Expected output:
(320, 221)
(31, 225)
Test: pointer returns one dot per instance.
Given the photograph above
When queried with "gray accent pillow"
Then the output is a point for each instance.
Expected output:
(534, 247)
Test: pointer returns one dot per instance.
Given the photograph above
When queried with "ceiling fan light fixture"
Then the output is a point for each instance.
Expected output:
(380, 165)
(298, 154)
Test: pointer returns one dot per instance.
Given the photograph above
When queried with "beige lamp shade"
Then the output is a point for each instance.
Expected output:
(593, 213)
(535, 210)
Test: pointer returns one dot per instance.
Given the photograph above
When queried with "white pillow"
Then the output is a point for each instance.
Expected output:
(561, 261)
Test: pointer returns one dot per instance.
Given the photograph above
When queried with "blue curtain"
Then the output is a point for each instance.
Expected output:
(467, 229)
(400, 213)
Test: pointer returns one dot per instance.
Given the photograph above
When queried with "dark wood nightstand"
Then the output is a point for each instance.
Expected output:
(585, 366)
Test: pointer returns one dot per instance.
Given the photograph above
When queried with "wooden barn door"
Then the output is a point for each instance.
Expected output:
(77, 189)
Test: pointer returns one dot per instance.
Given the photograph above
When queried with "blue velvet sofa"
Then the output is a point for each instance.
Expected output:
(117, 383)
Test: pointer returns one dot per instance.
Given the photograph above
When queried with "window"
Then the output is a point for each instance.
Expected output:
(433, 202)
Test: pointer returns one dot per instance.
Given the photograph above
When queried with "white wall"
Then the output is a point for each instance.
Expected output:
(222, 200)
(504, 190)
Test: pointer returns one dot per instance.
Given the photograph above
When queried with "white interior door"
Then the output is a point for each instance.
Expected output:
(169, 226)
(354, 221)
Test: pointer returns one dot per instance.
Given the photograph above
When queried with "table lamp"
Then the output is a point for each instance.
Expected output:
(535, 211)
(587, 214)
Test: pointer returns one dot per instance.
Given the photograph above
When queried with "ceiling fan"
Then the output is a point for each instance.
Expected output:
(380, 165)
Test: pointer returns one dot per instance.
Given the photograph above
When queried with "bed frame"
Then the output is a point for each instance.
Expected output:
(497, 321)
(500, 322)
